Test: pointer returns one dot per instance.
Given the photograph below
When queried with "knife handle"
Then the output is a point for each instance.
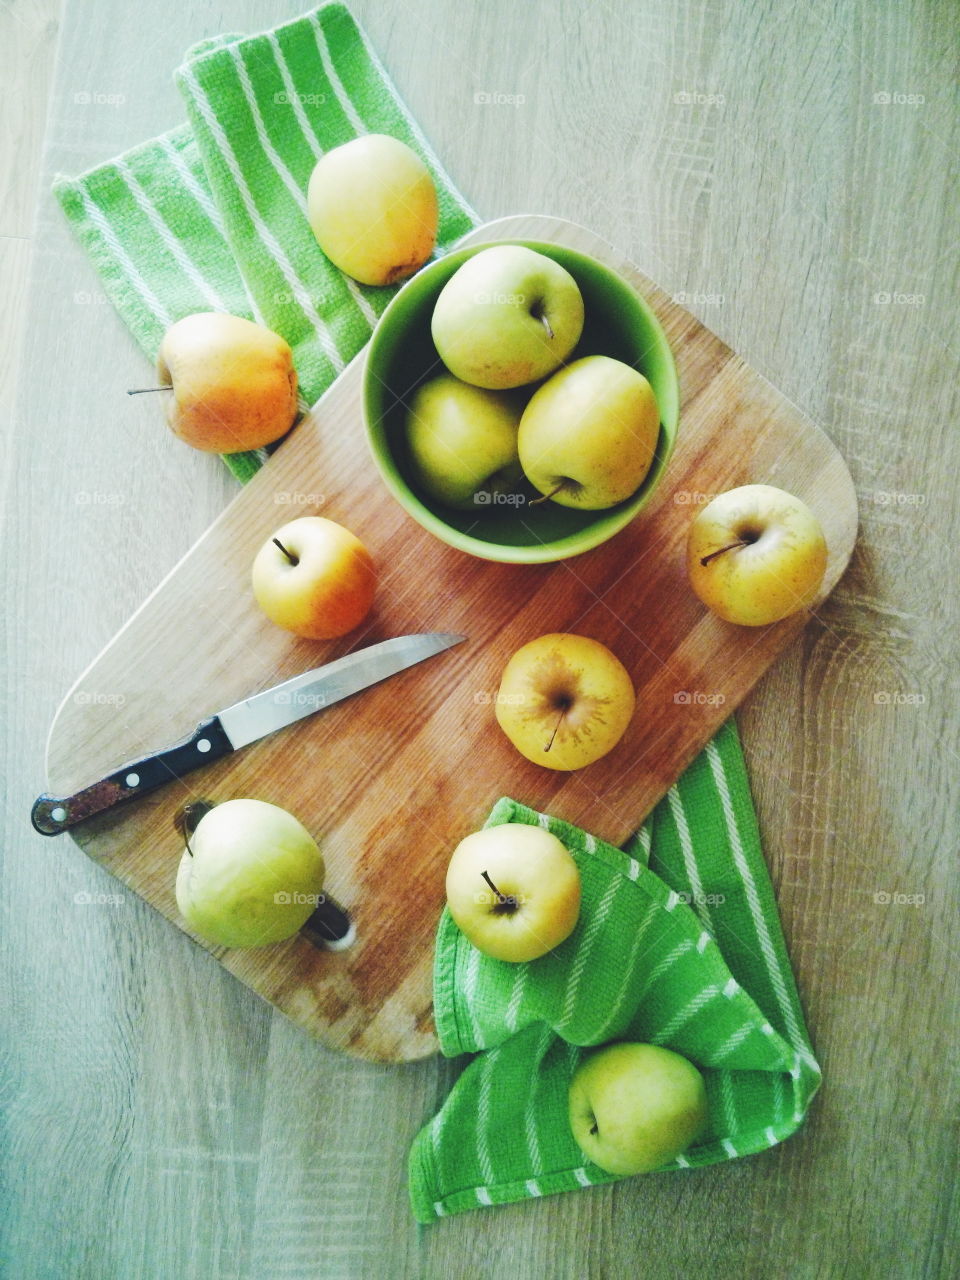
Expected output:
(51, 814)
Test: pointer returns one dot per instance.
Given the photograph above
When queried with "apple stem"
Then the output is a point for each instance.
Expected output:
(556, 729)
(545, 497)
(292, 558)
(144, 391)
(189, 817)
(503, 899)
(546, 324)
(741, 542)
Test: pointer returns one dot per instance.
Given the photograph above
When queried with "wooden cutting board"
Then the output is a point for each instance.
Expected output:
(391, 780)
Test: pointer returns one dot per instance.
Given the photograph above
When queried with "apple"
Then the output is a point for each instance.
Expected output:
(514, 891)
(564, 701)
(233, 383)
(251, 874)
(314, 578)
(373, 207)
(756, 554)
(506, 317)
(462, 441)
(635, 1107)
(588, 436)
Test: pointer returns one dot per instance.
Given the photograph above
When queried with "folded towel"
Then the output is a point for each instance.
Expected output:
(684, 950)
(212, 217)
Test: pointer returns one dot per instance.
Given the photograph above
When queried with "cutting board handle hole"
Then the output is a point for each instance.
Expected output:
(330, 927)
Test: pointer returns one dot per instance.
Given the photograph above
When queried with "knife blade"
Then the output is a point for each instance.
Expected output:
(239, 725)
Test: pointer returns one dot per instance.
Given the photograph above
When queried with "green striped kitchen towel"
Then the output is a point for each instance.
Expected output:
(212, 216)
(678, 944)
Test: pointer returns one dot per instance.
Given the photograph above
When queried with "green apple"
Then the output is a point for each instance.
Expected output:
(251, 875)
(635, 1107)
(588, 436)
(514, 891)
(506, 317)
(462, 441)
(756, 554)
(564, 700)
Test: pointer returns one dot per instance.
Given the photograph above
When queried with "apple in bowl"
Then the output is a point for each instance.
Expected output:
(463, 441)
(617, 323)
(507, 317)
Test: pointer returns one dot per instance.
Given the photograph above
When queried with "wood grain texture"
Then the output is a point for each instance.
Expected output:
(161, 1120)
(392, 780)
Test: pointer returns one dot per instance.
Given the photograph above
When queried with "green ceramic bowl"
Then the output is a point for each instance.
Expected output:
(401, 355)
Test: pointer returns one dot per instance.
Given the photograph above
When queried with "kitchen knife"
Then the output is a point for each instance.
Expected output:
(239, 725)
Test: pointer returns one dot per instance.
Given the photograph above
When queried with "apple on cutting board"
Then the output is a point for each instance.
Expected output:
(314, 578)
(564, 700)
(756, 554)
(251, 874)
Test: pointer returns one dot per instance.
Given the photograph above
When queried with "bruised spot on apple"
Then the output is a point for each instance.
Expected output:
(564, 701)
(514, 891)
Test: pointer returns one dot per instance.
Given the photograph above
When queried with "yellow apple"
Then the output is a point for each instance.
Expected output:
(463, 441)
(233, 383)
(588, 436)
(514, 891)
(635, 1107)
(756, 554)
(251, 875)
(314, 578)
(506, 317)
(373, 208)
(564, 701)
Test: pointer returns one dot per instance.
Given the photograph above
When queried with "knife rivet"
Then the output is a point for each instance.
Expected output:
(132, 780)
(58, 814)
(203, 744)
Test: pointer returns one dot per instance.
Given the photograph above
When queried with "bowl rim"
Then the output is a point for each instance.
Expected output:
(610, 522)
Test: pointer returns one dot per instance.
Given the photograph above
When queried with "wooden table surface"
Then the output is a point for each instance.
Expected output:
(790, 172)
